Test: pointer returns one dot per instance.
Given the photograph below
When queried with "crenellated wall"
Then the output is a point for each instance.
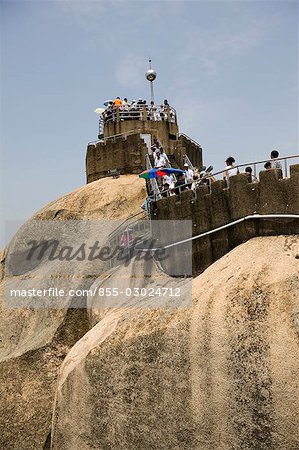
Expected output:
(270, 195)
(188, 147)
(126, 155)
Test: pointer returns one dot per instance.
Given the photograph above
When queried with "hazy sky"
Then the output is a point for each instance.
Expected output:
(230, 68)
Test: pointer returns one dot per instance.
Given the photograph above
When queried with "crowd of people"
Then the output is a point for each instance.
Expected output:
(231, 169)
(191, 179)
(173, 184)
(134, 110)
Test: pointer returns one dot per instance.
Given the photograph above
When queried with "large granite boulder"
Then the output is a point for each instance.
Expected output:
(220, 374)
(34, 339)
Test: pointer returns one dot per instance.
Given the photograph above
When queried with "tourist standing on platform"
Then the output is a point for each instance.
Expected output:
(153, 111)
(267, 165)
(230, 169)
(188, 173)
(168, 180)
(195, 182)
(156, 146)
(163, 154)
(134, 113)
(159, 160)
(274, 163)
(125, 109)
(180, 184)
(117, 101)
(125, 104)
(251, 178)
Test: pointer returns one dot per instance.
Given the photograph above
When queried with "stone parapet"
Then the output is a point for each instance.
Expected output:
(125, 155)
(209, 210)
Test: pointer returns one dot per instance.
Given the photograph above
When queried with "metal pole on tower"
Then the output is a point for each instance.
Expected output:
(151, 76)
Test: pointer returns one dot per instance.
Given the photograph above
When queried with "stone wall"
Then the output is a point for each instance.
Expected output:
(126, 155)
(122, 148)
(223, 205)
(159, 129)
(187, 147)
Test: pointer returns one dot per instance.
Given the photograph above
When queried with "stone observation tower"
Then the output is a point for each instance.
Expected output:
(127, 132)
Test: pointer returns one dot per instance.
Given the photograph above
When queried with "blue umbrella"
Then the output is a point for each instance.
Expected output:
(159, 172)
(170, 170)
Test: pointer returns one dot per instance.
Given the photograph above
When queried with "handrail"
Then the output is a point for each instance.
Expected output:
(124, 222)
(125, 133)
(222, 171)
(134, 112)
(139, 112)
(95, 142)
(187, 160)
(152, 181)
(283, 158)
(132, 226)
(206, 233)
(114, 136)
(119, 112)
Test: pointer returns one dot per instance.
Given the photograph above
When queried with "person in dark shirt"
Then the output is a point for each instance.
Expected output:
(180, 184)
(274, 163)
(251, 177)
(267, 165)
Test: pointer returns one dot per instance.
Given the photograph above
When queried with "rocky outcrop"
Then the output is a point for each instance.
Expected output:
(103, 199)
(34, 340)
(143, 372)
(220, 374)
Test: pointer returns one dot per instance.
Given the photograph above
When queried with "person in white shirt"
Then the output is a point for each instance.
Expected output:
(159, 161)
(168, 179)
(230, 169)
(156, 146)
(163, 155)
(188, 173)
(125, 104)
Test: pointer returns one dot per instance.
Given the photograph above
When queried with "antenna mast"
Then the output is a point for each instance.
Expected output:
(151, 76)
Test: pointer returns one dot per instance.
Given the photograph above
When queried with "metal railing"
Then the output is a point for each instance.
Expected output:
(254, 164)
(212, 176)
(139, 112)
(95, 142)
(152, 181)
(140, 230)
(222, 227)
(133, 223)
(114, 137)
(135, 228)
(117, 113)
(186, 160)
(160, 193)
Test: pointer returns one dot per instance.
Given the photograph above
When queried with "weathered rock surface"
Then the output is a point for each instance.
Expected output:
(107, 198)
(142, 374)
(220, 374)
(34, 342)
